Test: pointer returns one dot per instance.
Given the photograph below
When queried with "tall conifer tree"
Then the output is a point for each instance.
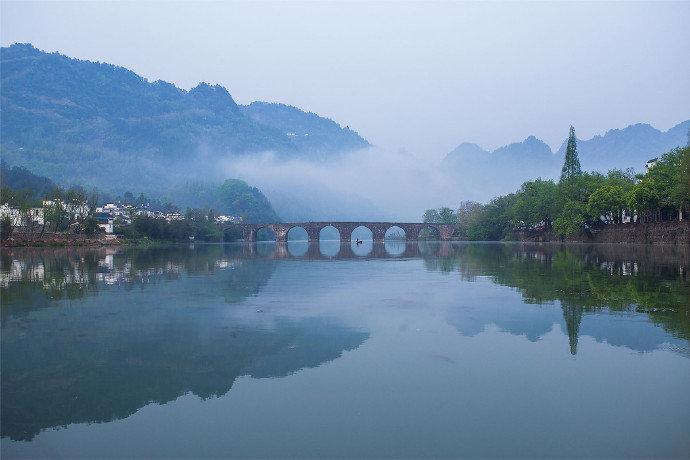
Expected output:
(571, 166)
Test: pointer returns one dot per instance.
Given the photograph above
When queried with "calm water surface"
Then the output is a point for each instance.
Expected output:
(473, 350)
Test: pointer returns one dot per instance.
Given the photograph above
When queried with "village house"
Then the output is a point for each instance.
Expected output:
(19, 219)
(105, 222)
(228, 219)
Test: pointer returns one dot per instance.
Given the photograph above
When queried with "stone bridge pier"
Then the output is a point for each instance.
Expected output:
(412, 230)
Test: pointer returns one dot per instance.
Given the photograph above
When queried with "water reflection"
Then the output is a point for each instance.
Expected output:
(395, 247)
(135, 326)
(611, 281)
(151, 325)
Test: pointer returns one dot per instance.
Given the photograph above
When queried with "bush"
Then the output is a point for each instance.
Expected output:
(5, 228)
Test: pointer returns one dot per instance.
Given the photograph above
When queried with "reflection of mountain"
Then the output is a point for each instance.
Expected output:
(532, 322)
(602, 291)
(115, 359)
(181, 336)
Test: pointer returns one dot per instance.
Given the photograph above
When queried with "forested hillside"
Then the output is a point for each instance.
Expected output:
(104, 125)
(20, 179)
(310, 133)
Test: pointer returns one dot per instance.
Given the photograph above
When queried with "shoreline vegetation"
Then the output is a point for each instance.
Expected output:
(581, 205)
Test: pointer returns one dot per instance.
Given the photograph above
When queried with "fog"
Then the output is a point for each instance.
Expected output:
(368, 184)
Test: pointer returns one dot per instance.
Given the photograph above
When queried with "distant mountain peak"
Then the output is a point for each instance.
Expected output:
(467, 151)
(482, 174)
(533, 140)
(469, 147)
(214, 97)
(21, 47)
(531, 146)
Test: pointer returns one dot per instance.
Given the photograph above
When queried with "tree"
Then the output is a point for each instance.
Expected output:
(571, 166)
(644, 196)
(431, 216)
(608, 201)
(442, 215)
(571, 218)
(90, 226)
(447, 216)
(494, 220)
(468, 212)
(580, 188)
(55, 213)
(663, 189)
(236, 197)
(6, 227)
(681, 190)
(537, 202)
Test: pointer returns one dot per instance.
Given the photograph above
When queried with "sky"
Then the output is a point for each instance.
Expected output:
(420, 76)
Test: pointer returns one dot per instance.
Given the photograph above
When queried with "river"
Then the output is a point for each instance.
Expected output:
(397, 350)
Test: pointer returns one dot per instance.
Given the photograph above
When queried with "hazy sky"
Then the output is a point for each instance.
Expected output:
(424, 76)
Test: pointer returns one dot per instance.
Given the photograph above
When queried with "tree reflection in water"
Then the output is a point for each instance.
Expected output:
(120, 319)
(651, 280)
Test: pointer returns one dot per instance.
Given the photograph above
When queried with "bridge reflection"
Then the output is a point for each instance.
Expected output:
(337, 250)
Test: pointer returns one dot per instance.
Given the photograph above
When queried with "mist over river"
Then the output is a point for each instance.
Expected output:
(326, 350)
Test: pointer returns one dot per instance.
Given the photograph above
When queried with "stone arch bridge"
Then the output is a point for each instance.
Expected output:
(313, 229)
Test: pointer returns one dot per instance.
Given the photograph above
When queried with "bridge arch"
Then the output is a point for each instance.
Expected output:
(297, 233)
(264, 233)
(395, 233)
(363, 232)
(329, 233)
(231, 234)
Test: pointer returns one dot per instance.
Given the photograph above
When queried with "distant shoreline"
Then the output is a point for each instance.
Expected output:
(60, 240)
(660, 232)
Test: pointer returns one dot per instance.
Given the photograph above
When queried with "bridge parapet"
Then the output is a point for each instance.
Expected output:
(378, 229)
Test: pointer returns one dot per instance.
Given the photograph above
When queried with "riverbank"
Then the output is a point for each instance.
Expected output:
(60, 239)
(663, 232)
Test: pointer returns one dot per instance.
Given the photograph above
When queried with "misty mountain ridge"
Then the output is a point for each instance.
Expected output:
(629, 147)
(308, 131)
(73, 120)
(484, 173)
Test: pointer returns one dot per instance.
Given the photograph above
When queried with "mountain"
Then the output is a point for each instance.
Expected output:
(233, 197)
(21, 179)
(481, 174)
(629, 147)
(308, 132)
(104, 125)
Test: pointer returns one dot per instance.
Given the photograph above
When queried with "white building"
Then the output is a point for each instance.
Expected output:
(33, 216)
(228, 219)
(650, 164)
(105, 222)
